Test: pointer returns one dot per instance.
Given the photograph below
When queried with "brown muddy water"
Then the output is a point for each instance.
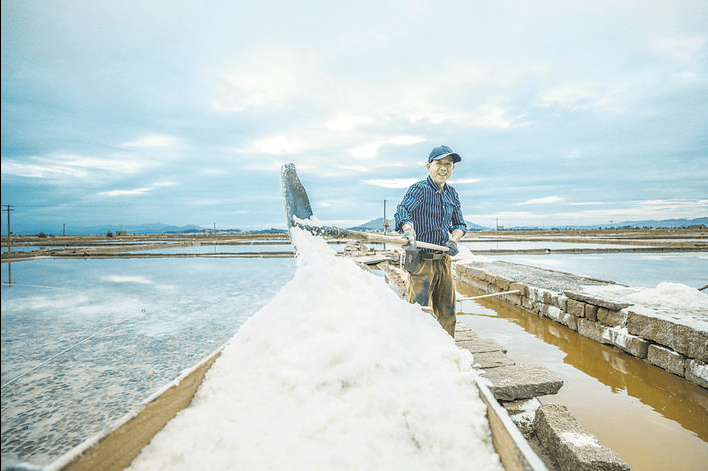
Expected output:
(654, 420)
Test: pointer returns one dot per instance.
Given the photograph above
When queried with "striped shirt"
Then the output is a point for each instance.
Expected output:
(434, 214)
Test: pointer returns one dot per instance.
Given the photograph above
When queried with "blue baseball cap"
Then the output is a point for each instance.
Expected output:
(441, 152)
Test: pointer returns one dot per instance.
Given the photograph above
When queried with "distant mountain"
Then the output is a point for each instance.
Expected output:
(374, 225)
(667, 223)
(139, 229)
(649, 224)
(475, 227)
(377, 225)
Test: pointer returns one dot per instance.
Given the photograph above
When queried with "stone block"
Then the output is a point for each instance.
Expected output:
(590, 329)
(510, 383)
(491, 360)
(570, 445)
(480, 345)
(526, 303)
(576, 308)
(522, 414)
(563, 303)
(547, 296)
(523, 289)
(667, 359)
(512, 299)
(465, 335)
(597, 301)
(569, 320)
(611, 318)
(533, 294)
(553, 313)
(697, 372)
(686, 336)
(476, 273)
(503, 283)
(591, 312)
(631, 344)
(541, 308)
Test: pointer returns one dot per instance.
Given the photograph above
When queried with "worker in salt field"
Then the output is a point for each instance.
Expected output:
(431, 212)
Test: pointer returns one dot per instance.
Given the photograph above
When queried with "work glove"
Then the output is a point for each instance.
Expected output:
(410, 235)
(452, 245)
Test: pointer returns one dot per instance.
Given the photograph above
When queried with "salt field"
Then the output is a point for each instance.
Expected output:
(152, 318)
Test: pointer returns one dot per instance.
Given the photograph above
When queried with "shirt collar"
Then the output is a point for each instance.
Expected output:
(435, 186)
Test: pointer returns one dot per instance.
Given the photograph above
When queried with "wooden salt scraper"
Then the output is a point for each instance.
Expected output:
(298, 212)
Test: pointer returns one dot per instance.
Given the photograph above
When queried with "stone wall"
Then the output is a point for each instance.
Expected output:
(678, 345)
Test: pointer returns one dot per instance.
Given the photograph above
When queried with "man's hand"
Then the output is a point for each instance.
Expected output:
(409, 234)
(452, 245)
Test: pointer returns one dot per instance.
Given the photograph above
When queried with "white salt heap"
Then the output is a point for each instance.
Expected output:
(335, 373)
(668, 298)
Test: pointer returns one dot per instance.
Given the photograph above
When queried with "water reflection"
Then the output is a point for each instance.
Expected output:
(671, 396)
(624, 414)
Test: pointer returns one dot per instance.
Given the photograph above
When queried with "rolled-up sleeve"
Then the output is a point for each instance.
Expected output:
(409, 203)
(458, 221)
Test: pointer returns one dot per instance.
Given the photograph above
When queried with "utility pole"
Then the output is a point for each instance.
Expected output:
(385, 222)
(9, 232)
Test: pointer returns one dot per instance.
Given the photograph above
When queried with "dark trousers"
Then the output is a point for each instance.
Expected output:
(432, 284)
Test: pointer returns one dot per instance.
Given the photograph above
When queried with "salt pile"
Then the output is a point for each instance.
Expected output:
(335, 373)
(666, 297)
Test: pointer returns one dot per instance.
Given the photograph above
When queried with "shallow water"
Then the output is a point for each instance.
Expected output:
(160, 317)
(651, 418)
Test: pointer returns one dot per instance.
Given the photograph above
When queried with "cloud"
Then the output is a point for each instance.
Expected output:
(137, 191)
(567, 96)
(463, 181)
(682, 49)
(128, 279)
(30, 170)
(347, 122)
(491, 116)
(545, 200)
(71, 165)
(392, 182)
(107, 100)
(399, 183)
(266, 76)
(370, 149)
(154, 141)
(278, 145)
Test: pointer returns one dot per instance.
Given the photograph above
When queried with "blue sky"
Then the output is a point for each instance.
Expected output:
(131, 112)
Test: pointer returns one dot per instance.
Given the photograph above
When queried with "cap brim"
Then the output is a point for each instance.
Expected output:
(455, 157)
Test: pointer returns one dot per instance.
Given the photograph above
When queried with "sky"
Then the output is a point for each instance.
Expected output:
(132, 112)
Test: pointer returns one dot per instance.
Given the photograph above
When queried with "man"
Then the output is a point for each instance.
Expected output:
(431, 212)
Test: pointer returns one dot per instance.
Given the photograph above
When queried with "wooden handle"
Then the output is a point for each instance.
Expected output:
(393, 240)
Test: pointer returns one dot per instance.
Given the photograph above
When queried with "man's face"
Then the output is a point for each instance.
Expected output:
(440, 170)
